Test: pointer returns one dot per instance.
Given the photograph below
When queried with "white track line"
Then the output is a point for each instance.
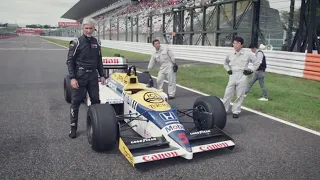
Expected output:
(19, 42)
(243, 107)
(53, 43)
(30, 49)
(257, 112)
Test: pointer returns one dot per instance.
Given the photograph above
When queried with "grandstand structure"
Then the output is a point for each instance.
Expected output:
(186, 22)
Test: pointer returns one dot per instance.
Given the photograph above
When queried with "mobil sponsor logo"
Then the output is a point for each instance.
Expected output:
(168, 116)
(173, 127)
(209, 147)
(159, 156)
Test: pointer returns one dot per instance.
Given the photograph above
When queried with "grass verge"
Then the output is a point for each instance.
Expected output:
(108, 51)
(293, 99)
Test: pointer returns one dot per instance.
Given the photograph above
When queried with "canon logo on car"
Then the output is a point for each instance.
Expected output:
(143, 140)
(210, 147)
(159, 156)
(200, 132)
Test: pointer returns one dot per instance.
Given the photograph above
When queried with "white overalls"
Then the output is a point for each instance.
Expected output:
(238, 62)
(166, 59)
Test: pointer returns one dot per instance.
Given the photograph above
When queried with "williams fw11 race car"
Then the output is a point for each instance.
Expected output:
(130, 102)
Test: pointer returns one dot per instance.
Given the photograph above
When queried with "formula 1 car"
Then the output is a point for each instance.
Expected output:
(129, 101)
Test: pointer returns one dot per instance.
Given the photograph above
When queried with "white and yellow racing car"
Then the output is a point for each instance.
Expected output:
(128, 101)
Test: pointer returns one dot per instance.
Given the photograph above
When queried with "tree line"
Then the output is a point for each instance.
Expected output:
(40, 26)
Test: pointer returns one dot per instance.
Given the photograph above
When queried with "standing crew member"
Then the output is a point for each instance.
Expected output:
(236, 64)
(84, 59)
(259, 74)
(168, 67)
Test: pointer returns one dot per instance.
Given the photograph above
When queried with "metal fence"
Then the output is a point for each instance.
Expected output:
(206, 24)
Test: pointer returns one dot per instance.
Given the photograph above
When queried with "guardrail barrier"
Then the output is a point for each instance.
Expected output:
(302, 65)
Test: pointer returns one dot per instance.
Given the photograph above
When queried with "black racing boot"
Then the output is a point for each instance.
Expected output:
(235, 115)
(73, 132)
(74, 122)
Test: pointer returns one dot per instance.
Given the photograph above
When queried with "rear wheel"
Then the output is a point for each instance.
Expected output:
(102, 127)
(209, 104)
(67, 89)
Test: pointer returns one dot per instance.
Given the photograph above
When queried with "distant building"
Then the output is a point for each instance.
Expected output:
(29, 32)
(7, 29)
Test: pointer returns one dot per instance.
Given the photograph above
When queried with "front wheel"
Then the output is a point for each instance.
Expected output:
(209, 104)
(102, 127)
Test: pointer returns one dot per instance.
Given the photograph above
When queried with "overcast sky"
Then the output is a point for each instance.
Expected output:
(25, 12)
(49, 12)
(283, 5)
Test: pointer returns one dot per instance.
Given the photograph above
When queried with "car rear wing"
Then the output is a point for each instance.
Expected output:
(114, 63)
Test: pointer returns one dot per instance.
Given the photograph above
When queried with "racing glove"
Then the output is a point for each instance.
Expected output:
(247, 72)
(175, 67)
(230, 72)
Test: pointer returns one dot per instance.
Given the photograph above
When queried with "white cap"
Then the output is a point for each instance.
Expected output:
(89, 21)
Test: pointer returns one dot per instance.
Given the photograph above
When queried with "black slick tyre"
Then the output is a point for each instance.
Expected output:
(102, 127)
(210, 104)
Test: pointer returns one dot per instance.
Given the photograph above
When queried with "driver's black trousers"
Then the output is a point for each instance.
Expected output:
(88, 82)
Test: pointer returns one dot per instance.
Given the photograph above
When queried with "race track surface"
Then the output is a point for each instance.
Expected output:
(34, 126)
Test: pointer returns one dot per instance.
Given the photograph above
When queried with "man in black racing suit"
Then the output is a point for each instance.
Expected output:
(84, 59)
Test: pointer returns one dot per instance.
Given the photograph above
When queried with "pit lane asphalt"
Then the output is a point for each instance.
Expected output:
(34, 125)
